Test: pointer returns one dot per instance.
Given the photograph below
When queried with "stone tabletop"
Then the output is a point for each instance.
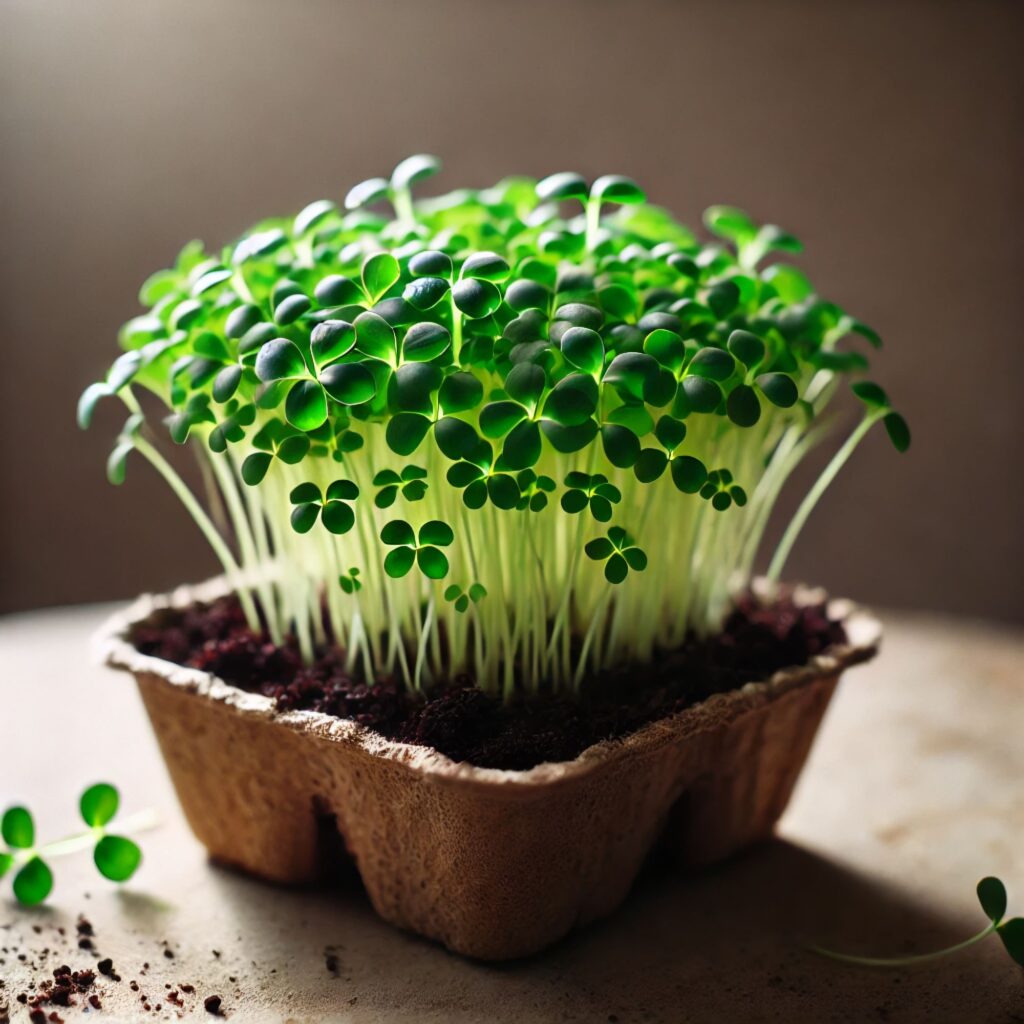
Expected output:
(914, 790)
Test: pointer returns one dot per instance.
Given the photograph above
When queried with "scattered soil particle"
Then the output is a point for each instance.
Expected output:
(467, 724)
(212, 1005)
(169, 953)
(61, 991)
(106, 967)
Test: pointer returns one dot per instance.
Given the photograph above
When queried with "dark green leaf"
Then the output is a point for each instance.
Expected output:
(432, 563)
(431, 263)
(255, 467)
(564, 185)
(636, 558)
(502, 489)
(614, 188)
(525, 294)
(525, 383)
(743, 406)
(729, 222)
(498, 418)
(871, 394)
(405, 431)
(379, 272)
(436, 532)
(414, 385)
(17, 828)
(616, 569)
(477, 299)
(290, 309)
(87, 403)
(746, 347)
(791, 284)
(226, 383)
(456, 438)
(628, 372)
(581, 314)
(599, 549)
(304, 517)
(311, 215)
(366, 193)
(293, 449)
(99, 804)
(306, 405)
(584, 349)
(621, 445)
(703, 395)
(338, 517)
(723, 298)
(279, 359)
(399, 561)
(1012, 934)
(688, 473)
(522, 446)
(33, 883)
(992, 897)
(425, 292)
(375, 337)
(241, 320)
(397, 531)
(347, 383)
(650, 465)
(336, 290)
(413, 169)
(486, 266)
(714, 363)
(426, 341)
(332, 339)
(666, 347)
(898, 431)
(117, 858)
(779, 389)
(459, 392)
(568, 439)
(670, 432)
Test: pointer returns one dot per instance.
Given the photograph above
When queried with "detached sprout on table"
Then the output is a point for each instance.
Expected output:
(993, 900)
(115, 856)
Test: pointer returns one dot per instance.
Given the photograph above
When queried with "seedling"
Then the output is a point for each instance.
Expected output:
(992, 897)
(115, 856)
(550, 391)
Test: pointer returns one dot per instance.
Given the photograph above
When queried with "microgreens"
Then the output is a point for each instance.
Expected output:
(115, 856)
(992, 897)
(485, 387)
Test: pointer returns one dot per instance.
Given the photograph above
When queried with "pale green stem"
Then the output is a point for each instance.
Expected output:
(203, 521)
(141, 821)
(814, 494)
(903, 961)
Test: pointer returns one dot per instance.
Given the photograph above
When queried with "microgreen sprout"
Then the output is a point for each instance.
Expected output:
(993, 900)
(551, 389)
(115, 856)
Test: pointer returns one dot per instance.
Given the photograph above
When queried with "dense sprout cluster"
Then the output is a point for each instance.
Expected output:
(528, 431)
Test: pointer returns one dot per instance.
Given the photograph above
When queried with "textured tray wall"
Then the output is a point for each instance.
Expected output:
(493, 864)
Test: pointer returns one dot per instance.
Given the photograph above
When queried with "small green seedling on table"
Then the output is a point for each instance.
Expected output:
(525, 432)
(116, 857)
(992, 897)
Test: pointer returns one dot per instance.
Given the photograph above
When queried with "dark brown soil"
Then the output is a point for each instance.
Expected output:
(467, 724)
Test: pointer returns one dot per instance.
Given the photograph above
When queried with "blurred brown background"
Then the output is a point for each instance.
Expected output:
(886, 135)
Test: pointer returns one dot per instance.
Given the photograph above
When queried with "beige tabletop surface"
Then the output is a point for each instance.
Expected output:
(914, 790)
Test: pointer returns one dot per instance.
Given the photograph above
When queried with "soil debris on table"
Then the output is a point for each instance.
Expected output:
(465, 723)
